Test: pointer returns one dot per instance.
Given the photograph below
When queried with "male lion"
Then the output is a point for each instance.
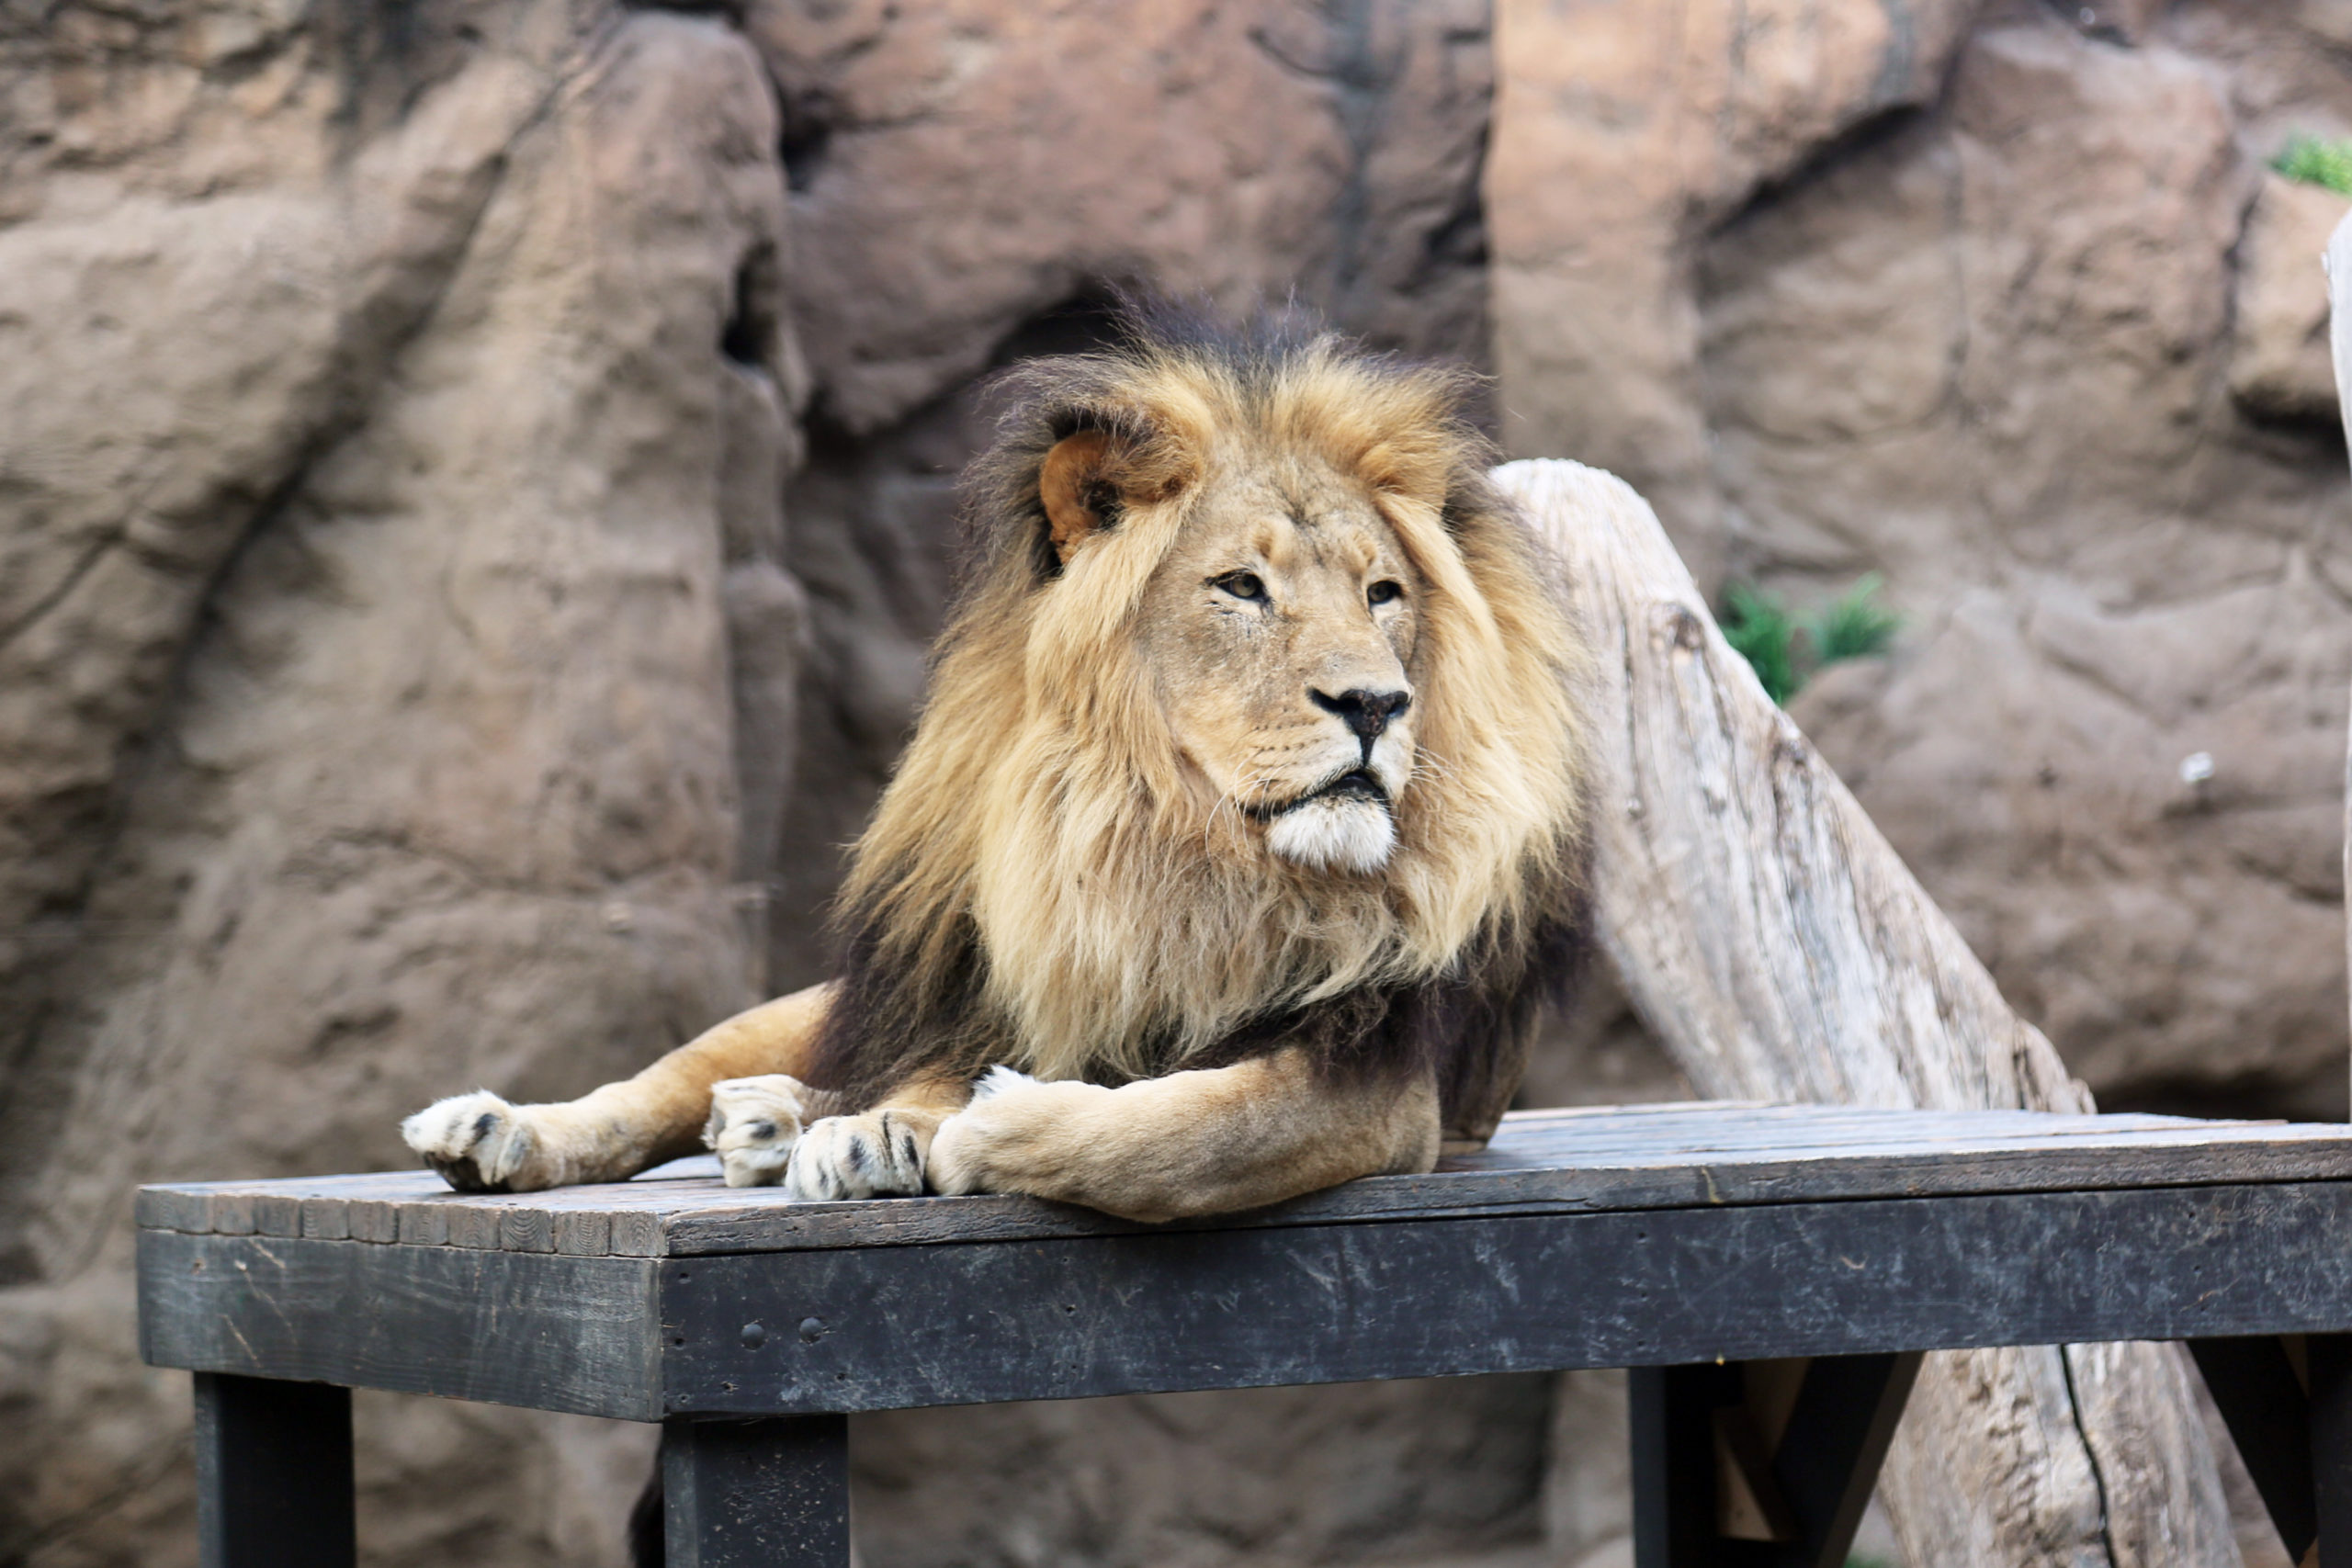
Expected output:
(1240, 825)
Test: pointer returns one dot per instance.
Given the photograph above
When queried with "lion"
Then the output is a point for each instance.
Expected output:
(1233, 848)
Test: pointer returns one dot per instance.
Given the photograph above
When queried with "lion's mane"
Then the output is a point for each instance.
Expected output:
(1039, 887)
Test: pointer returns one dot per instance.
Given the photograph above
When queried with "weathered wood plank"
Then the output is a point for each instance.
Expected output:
(588, 1234)
(732, 1223)
(576, 1334)
(878, 1328)
(326, 1219)
(1578, 1161)
(172, 1209)
(637, 1234)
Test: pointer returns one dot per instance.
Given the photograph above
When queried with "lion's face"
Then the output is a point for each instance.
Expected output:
(1279, 633)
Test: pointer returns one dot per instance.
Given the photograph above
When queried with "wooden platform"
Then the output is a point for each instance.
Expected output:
(1664, 1236)
(1604, 1159)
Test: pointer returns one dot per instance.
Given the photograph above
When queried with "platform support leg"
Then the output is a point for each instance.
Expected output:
(2328, 1359)
(273, 1474)
(1671, 1421)
(2288, 1403)
(1765, 1464)
(765, 1494)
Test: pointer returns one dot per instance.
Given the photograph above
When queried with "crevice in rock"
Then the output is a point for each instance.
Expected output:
(1863, 137)
(1460, 239)
(1362, 76)
(808, 117)
(754, 319)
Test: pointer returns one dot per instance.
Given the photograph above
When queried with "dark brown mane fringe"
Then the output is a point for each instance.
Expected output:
(1471, 1030)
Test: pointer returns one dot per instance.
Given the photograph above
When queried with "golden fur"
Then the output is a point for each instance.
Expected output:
(1072, 873)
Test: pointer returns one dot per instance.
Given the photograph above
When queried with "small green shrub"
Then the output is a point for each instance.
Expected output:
(1785, 649)
(1856, 626)
(1762, 631)
(2317, 161)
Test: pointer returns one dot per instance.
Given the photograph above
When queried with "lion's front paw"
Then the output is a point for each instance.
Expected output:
(878, 1155)
(1019, 1135)
(755, 1125)
(481, 1143)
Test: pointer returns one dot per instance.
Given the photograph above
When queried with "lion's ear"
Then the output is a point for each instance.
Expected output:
(1081, 497)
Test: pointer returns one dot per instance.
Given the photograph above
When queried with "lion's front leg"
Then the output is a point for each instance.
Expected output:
(481, 1142)
(1202, 1142)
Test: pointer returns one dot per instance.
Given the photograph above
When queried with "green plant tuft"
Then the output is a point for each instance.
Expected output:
(2317, 161)
(1856, 626)
(1759, 627)
(1785, 649)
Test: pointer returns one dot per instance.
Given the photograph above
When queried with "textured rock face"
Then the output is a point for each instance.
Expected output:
(400, 668)
(383, 593)
(2031, 337)
(426, 656)
(960, 167)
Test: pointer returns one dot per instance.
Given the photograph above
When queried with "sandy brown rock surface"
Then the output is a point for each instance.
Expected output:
(2016, 319)
(476, 486)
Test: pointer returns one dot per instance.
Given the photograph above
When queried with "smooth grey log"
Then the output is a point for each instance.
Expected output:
(771, 1493)
(2262, 1402)
(529, 1328)
(965, 1323)
(1771, 938)
(2337, 264)
(272, 1475)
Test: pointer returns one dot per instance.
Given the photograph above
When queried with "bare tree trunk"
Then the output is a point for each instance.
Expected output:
(1771, 939)
(2338, 265)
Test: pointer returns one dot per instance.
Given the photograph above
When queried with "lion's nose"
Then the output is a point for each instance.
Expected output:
(1367, 712)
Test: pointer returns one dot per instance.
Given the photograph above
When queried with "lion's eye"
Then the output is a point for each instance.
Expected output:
(1384, 592)
(1241, 585)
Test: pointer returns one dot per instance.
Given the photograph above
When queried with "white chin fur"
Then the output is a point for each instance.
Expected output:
(1334, 835)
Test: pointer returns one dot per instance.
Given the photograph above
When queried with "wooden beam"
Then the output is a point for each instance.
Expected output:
(1670, 1422)
(892, 1327)
(2262, 1399)
(536, 1329)
(1828, 1457)
(272, 1475)
(756, 1494)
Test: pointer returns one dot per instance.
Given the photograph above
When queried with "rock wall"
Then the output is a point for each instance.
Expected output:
(476, 487)
(395, 423)
(404, 652)
(2000, 303)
